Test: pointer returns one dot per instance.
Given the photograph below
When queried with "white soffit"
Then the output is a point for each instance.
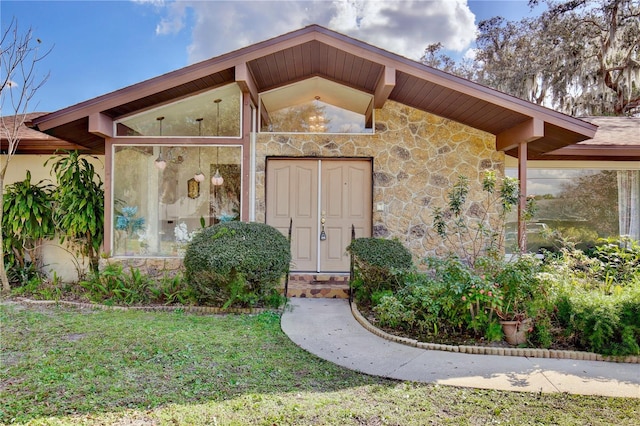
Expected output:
(306, 91)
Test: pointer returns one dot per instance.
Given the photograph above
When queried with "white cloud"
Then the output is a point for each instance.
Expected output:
(174, 21)
(404, 27)
(407, 27)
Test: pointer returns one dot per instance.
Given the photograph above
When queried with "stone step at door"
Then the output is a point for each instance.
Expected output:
(328, 286)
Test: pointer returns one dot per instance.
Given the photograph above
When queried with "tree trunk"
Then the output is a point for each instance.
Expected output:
(3, 272)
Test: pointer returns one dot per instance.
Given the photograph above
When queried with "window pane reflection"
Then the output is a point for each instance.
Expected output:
(158, 207)
(214, 113)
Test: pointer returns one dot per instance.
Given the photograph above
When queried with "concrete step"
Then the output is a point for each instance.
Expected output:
(315, 285)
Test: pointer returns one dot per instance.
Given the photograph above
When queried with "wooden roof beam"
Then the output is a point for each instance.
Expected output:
(101, 125)
(386, 83)
(527, 131)
(246, 82)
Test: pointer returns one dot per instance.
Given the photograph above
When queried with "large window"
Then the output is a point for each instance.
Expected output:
(582, 204)
(163, 194)
(212, 113)
(316, 105)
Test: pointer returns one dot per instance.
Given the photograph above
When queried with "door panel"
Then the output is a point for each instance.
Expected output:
(292, 188)
(345, 199)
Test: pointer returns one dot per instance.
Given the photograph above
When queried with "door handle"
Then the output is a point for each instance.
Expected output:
(323, 235)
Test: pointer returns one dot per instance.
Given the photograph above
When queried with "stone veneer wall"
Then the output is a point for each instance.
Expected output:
(417, 157)
(155, 267)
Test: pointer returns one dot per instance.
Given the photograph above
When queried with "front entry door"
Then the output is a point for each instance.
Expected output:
(319, 195)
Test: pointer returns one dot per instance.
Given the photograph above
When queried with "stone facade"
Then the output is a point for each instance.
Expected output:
(417, 156)
(156, 268)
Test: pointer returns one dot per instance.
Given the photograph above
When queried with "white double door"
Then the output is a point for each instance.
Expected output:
(323, 198)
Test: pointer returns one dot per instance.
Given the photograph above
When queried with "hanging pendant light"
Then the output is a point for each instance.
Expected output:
(160, 162)
(199, 176)
(217, 179)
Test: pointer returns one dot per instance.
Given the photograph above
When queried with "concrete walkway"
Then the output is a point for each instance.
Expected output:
(326, 328)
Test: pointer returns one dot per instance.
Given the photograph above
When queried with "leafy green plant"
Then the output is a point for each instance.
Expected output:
(478, 233)
(518, 284)
(392, 313)
(594, 320)
(79, 204)
(113, 285)
(620, 260)
(494, 332)
(173, 290)
(237, 264)
(26, 221)
(378, 265)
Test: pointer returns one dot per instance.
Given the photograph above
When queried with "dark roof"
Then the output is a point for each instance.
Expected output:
(316, 51)
(32, 141)
(617, 138)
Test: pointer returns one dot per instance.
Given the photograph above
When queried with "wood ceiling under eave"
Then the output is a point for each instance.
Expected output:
(76, 131)
(555, 137)
(311, 59)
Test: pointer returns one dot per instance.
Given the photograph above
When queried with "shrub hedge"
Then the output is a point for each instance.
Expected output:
(238, 264)
(378, 264)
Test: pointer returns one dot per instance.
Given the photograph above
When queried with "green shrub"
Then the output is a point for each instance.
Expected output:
(604, 323)
(113, 285)
(173, 290)
(479, 234)
(26, 222)
(379, 265)
(237, 264)
(620, 260)
(392, 313)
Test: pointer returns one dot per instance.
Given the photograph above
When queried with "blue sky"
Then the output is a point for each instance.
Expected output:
(102, 46)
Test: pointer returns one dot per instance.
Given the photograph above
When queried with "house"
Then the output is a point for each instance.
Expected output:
(311, 129)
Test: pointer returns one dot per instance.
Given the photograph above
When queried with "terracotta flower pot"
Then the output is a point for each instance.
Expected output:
(515, 332)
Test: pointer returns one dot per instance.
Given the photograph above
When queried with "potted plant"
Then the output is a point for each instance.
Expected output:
(516, 327)
(519, 285)
(129, 223)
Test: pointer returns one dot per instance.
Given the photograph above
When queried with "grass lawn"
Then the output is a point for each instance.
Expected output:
(63, 366)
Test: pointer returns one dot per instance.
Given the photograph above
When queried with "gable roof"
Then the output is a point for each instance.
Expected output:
(316, 51)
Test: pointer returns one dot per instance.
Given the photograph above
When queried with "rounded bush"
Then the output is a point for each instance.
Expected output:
(379, 265)
(237, 264)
